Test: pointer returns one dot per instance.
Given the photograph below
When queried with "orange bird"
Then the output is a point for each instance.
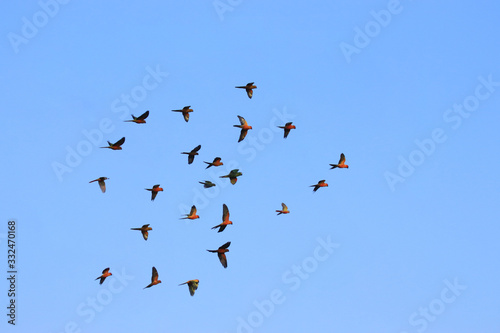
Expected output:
(144, 230)
(248, 88)
(105, 274)
(193, 285)
(225, 219)
(101, 183)
(154, 191)
(207, 184)
(244, 128)
(287, 128)
(321, 183)
(216, 163)
(221, 253)
(116, 145)
(341, 163)
(140, 119)
(192, 154)
(154, 279)
(192, 214)
(284, 210)
(233, 176)
(185, 112)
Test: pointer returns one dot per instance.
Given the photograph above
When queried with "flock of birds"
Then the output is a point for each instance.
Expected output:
(233, 177)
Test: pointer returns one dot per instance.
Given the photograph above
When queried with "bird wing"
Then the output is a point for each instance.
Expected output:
(119, 142)
(154, 276)
(102, 185)
(342, 158)
(225, 213)
(225, 246)
(223, 259)
(193, 285)
(243, 134)
(193, 211)
(144, 115)
(196, 149)
(242, 120)
(284, 206)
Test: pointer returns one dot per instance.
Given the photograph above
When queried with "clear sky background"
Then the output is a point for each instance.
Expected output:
(414, 220)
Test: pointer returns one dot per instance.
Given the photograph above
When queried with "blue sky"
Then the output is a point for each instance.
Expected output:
(402, 241)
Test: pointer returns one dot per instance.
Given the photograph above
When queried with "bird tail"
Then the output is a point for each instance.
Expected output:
(209, 164)
(279, 212)
(333, 166)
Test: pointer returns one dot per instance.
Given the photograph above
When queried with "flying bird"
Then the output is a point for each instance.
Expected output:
(192, 214)
(116, 145)
(221, 253)
(192, 154)
(248, 88)
(101, 183)
(140, 119)
(244, 128)
(207, 184)
(144, 230)
(225, 219)
(105, 274)
(341, 163)
(284, 210)
(193, 285)
(321, 183)
(287, 128)
(185, 112)
(233, 176)
(154, 191)
(216, 163)
(154, 279)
